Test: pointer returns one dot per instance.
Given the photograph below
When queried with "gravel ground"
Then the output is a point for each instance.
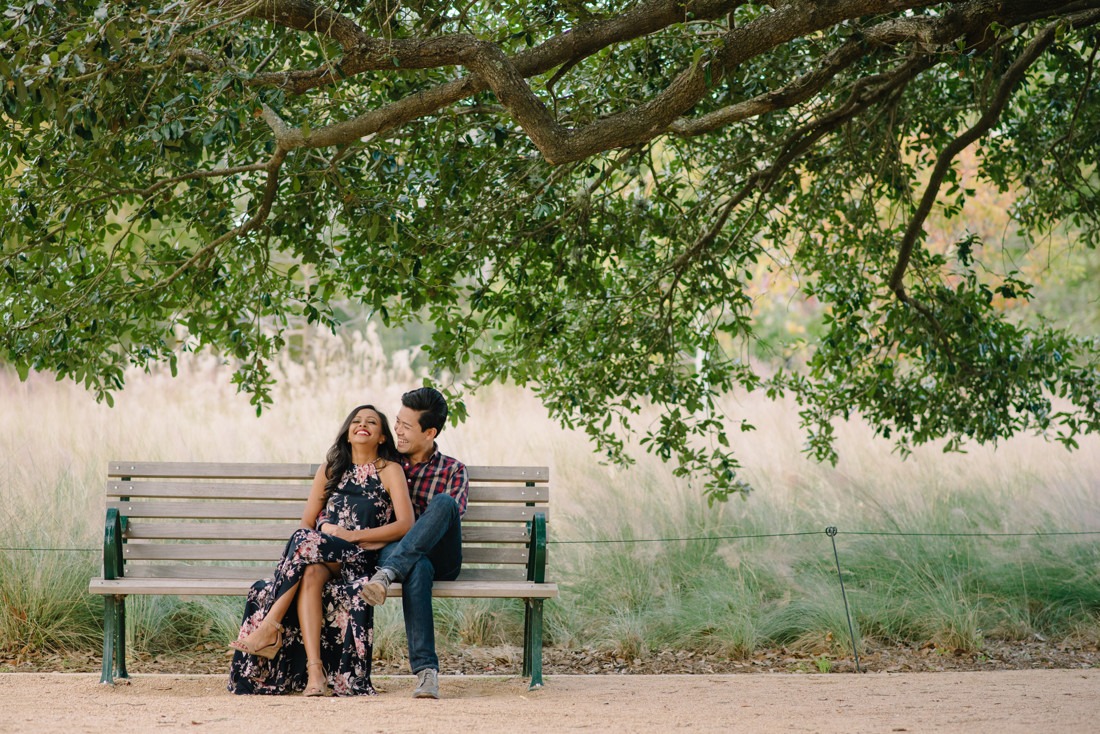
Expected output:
(1017, 687)
(997, 701)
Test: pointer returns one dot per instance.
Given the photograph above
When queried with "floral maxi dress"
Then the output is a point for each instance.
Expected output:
(347, 632)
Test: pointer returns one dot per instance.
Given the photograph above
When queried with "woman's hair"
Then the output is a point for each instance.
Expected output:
(338, 459)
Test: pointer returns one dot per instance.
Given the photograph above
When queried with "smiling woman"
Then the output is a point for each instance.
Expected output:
(358, 503)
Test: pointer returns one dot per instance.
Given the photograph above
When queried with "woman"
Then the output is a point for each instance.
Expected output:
(359, 500)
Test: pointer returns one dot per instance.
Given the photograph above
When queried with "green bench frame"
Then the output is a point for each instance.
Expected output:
(195, 529)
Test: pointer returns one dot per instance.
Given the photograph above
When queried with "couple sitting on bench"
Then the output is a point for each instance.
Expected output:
(381, 510)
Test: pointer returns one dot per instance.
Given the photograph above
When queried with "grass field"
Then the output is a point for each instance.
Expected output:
(951, 550)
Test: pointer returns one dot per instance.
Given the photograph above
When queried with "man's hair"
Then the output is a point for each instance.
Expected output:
(430, 404)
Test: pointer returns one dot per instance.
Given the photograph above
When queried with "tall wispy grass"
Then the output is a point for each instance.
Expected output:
(925, 545)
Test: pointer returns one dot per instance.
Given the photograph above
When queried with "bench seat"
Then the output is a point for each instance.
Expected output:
(458, 589)
(212, 529)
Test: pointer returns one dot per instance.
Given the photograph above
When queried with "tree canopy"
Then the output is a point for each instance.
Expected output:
(573, 194)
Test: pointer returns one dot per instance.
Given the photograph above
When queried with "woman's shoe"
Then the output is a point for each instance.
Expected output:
(320, 690)
(267, 651)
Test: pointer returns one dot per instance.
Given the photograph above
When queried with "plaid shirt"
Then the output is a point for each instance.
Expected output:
(438, 474)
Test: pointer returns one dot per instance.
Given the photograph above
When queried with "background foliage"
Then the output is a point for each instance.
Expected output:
(645, 566)
(168, 189)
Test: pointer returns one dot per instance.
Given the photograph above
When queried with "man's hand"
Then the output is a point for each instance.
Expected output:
(372, 545)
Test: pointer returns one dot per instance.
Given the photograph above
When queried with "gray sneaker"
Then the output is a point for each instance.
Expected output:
(427, 684)
(374, 591)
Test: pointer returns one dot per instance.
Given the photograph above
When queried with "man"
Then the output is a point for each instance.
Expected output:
(432, 549)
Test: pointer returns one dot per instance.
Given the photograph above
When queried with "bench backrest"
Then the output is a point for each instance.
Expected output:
(231, 521)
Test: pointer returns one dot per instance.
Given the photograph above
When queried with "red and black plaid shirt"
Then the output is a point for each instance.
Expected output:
(438, 474)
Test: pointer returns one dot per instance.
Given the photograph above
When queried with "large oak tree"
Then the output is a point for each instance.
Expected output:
(574, 194)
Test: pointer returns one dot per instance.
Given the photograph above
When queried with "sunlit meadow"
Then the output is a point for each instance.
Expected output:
(947, 550)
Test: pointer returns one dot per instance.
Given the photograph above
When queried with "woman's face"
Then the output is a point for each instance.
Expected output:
(365, 429)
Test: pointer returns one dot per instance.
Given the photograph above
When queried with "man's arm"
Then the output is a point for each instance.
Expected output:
(458, 485)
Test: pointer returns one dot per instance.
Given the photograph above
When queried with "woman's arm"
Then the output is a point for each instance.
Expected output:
(316, 501)
(393, 479)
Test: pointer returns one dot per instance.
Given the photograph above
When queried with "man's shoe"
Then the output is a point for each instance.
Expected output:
(374, 591)
(427, 684)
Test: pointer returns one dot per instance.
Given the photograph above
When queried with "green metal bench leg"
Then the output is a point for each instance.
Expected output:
(114, 639)
(526, 638)
(120, 640)
(108, 640)
(532, 642)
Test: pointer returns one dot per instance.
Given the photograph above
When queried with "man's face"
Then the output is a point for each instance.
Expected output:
(411, 440)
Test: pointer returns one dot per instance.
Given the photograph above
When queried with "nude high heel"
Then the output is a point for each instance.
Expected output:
(320, 690)
(268, 651)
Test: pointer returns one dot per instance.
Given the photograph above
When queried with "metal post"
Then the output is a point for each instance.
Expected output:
(831, 532)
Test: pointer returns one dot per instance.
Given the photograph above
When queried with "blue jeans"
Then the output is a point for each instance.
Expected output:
(431, 550)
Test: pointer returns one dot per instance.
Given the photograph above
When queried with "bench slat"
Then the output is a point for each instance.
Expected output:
(211, 510)
(251, 572)
(207, 490)
(508, 473)
(213, 470)
(230, 587)
(499, 533)
(289, 511)
(145, 551)
(155, 489)
(269, 552)
(210, 530)
(227, 470)
(505, 493)
(204, 571)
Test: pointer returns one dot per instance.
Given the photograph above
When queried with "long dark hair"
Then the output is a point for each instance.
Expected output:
(338, 459)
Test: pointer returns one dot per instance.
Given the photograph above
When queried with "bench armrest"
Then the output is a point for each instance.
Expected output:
(536, 549)
(112, 545)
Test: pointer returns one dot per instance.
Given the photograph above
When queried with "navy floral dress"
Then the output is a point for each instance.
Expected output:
(347, 632)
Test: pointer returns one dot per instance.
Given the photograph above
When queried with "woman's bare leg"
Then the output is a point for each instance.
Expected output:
(311, 617)
(267, 633)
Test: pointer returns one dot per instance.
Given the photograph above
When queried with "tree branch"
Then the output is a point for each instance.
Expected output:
(572, 46)
(797, 91)
(271, 188)
(865, 93)
(1090, 67)
(506, 78)
(921, 32)
(151, 189)
(305, 16)
(943, 163)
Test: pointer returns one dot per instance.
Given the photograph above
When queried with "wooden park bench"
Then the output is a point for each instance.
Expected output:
(193, 529)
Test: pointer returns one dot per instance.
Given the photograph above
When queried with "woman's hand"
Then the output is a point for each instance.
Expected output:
(372, 545)
(336, 531)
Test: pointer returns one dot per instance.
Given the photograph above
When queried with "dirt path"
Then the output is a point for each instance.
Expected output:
(1001, 702)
